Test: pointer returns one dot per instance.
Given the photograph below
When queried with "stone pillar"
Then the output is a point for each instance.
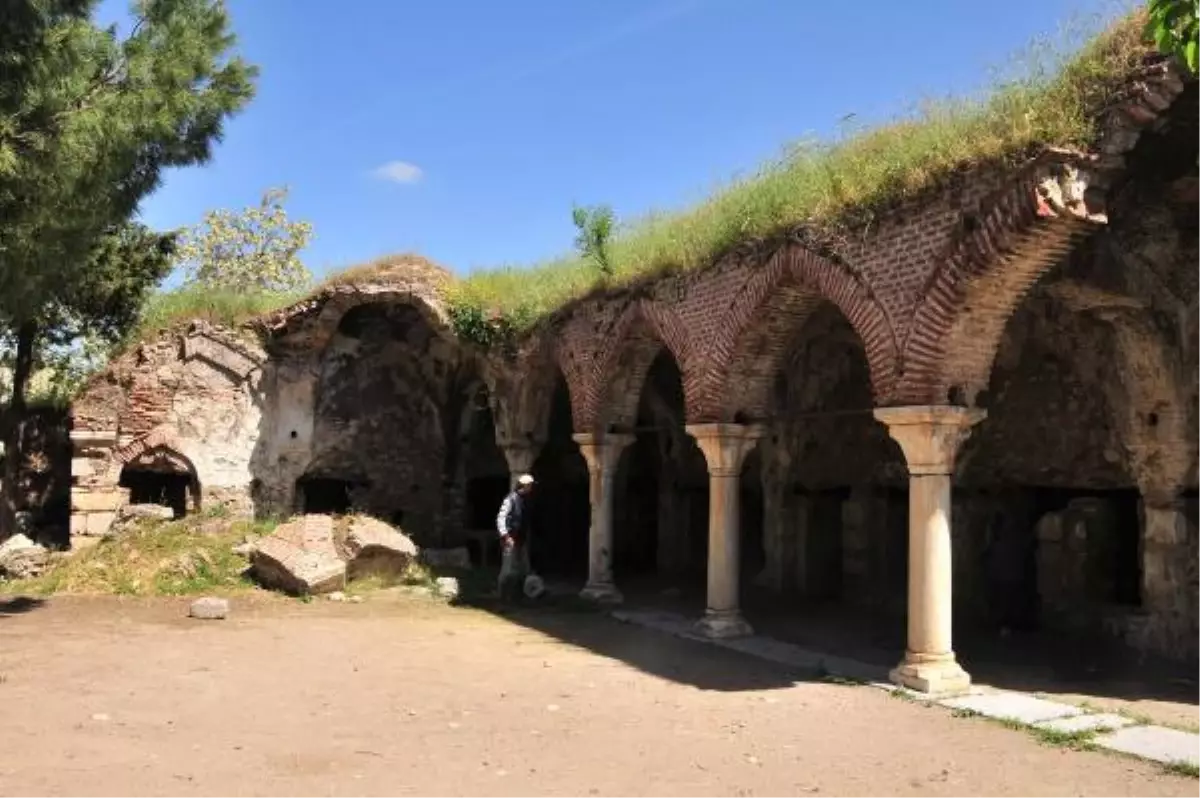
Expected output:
(930, 437)
(725, 447)
(602, 453)
(1163, 556)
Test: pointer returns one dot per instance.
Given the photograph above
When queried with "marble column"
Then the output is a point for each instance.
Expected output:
(602, 453)
(725, 447)
(930, 437)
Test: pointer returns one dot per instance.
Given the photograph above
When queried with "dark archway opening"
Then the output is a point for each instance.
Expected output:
(560, 505)
(661, 525)
(162, 477)
(1046, 514)
(325, 495)
(485, 479)
(163, 488)
(844, 497)
(750, 521)
(379, 438)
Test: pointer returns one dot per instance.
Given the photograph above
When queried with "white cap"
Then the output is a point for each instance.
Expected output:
(524, 479)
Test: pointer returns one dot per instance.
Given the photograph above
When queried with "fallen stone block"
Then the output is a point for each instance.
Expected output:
(300, 558)
(137, 512)
(21, 558)
(447, 586)
(209, 609)
(374, 547)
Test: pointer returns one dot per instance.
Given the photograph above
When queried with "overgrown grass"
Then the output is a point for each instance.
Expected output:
(825, 190)
(223, 307)
(173, 558)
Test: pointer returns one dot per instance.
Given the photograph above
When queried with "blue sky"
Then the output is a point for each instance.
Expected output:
(465, 129)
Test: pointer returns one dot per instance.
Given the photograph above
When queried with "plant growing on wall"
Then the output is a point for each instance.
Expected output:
(595, 226)
(254, 249)
(1172, 26)
(88, 123)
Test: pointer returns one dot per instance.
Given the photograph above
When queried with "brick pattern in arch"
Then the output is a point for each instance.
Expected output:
(739, 365)
(957, 327)
(161, 437)
(608, 392)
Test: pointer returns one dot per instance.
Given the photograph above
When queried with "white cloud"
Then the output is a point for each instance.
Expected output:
(398, 172)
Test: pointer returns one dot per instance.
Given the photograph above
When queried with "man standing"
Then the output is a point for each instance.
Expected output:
(513, 525)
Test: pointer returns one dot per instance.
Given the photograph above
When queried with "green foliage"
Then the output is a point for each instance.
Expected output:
(1173, 27)
(829, 190)
(596, 226)
(255, 249)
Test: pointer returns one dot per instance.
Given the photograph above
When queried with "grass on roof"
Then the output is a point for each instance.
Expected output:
(826, 189)
(169, 309)
(1054, 98)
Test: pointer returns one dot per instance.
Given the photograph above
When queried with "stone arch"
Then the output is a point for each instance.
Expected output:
(312, 324)
(952, 342)
(618, 368)
(383, 410)
(741, 364)
(159, 474)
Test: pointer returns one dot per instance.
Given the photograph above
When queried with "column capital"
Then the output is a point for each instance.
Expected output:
(602, 451)
(929, 435)
(520, 454)
(725, 446)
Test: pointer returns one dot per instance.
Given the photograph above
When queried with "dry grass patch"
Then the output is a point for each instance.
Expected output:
(153, 558)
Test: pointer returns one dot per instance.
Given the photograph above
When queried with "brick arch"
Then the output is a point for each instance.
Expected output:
(753, 335)
(539, 374)
(612, 385)
(161, 437)
(952, 342)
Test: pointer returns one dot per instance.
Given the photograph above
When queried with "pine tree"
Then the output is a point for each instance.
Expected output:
(88, 124)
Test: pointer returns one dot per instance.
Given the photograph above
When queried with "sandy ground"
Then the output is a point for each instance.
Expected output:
(399, 696)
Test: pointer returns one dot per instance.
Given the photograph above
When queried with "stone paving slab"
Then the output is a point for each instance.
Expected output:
(1155, 742)
(766, 648)
(1085, 723)
(1013, 706)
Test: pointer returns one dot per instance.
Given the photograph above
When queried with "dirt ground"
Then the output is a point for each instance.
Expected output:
(403, 696)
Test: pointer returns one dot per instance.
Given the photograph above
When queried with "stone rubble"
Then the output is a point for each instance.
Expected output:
(21, 558)
(303, 556)
(209, 609)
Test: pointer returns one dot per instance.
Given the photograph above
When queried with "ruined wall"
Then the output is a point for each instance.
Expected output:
(379, 397)
(193, 399)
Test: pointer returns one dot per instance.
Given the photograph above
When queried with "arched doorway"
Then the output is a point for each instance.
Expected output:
(378, 435)
(661, 524)
(162, 476)
(560, 507)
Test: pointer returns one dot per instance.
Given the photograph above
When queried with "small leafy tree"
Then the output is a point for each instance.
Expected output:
(596, 226)
(255, 249)
(1173, 28)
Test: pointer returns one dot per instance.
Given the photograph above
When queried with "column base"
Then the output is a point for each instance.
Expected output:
(723, 625)
(602, 594)
(934, 675)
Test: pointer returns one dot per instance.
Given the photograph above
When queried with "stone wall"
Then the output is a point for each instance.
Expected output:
(188, 403)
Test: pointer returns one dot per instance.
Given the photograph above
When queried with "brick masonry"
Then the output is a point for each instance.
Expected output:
(1034, 291)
